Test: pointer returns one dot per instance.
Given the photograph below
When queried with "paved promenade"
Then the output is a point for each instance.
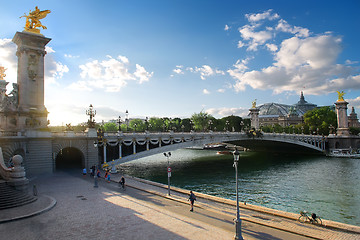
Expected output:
(144, 211)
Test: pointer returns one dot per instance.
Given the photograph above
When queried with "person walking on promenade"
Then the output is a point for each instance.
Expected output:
(98, 173)
(192, 199)
(122, 182)
(107, 176)
(84, 171)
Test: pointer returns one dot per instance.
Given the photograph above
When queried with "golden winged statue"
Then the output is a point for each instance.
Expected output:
(340, 96)
(253, 104)
(33, 20)
(2, 72)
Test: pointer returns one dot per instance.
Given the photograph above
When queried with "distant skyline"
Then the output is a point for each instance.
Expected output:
(176, 58)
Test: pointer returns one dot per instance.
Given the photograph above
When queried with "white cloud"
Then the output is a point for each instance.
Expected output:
(142, 74)
(271, 47)
(206, 71)
(317, 52)
(297, 31)
(349, 62)
(240, 44)
(70, 56)
(221, 90)
(178, 69)
(224, 112)
(206, 92)
(112, 74)
(255, 17)
(226, 28)
(354, 103)
(53, 71)
(309, 62)
(255, 38)
(8, 59)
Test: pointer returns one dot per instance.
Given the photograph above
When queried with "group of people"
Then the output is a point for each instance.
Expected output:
(107, 176)
(192, 197)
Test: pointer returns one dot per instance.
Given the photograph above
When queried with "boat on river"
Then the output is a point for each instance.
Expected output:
(344, 153)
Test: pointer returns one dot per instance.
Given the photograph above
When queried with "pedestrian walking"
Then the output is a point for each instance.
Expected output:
(192, 199)
(84, 171)
(98, 173)
(107, 176)
(122, 182)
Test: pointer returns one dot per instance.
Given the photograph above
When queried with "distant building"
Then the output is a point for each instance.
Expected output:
(283, 114)
(353, 120)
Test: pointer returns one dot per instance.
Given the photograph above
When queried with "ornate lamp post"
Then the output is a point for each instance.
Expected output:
(119, 122)
(168, 155)
(91, 113)
(127, 119)
(227, 125)
(237, 220)
(210, 124)
(146, 124)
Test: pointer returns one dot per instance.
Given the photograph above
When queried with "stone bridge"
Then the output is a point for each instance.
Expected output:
(42, 151)
(146, 144)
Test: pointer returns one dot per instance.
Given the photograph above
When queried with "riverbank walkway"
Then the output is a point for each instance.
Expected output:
(70, 207)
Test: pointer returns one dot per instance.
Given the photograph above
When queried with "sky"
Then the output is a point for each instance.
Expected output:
(165, 58)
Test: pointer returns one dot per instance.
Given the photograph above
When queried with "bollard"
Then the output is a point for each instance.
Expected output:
(35, 192)
(95, 181)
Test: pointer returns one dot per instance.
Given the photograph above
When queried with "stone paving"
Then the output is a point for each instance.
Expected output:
(85, 212)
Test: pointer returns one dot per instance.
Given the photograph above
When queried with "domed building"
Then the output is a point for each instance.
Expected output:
(283, 114)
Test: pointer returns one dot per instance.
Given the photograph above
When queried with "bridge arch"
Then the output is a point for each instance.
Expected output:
(68, 153)
(69, 157)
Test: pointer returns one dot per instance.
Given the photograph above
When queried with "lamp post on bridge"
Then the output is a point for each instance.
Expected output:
(237, 221)
(168, 155)
(127, 119)
(119, 122)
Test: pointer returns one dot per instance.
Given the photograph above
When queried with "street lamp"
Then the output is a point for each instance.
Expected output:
(168, 155)
(119, 122)
(237, 220)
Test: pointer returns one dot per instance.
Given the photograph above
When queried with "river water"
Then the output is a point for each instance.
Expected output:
(330, 187)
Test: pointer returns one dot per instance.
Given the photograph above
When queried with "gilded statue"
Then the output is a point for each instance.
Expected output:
(33, 20)
(2, 72)
(340, 96)
(253, 104)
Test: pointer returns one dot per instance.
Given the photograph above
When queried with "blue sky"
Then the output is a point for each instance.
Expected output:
(176, 58)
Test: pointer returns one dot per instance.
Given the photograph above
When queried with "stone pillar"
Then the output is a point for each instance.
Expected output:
(342, 118)
(30, 79)
(254, 115)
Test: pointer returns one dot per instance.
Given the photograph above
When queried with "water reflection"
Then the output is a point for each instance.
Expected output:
(327, 186)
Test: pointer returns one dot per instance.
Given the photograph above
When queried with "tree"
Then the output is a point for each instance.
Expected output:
(110, 127)
(137, 125)
(200, 120)
(155, 124)
(320, 119)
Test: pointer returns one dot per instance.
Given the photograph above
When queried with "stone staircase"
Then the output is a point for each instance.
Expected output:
(10, 197)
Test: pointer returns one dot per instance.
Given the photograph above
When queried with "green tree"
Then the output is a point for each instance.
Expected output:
(234, 123)
(155, 124)
(201, 120)
(137, 125)
(110, 127)
(319, 119)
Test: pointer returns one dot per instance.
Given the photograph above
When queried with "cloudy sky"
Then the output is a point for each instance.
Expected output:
(174, 58)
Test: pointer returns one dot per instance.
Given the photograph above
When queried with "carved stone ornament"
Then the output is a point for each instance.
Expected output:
(33, 66)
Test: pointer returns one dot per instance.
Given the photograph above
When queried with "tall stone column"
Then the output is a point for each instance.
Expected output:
(342, 118)
(254, 116)
(30, 79)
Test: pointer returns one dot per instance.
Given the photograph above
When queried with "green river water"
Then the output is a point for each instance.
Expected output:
(330, 187)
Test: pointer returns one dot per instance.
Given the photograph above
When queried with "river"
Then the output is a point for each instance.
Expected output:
(330, 187)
